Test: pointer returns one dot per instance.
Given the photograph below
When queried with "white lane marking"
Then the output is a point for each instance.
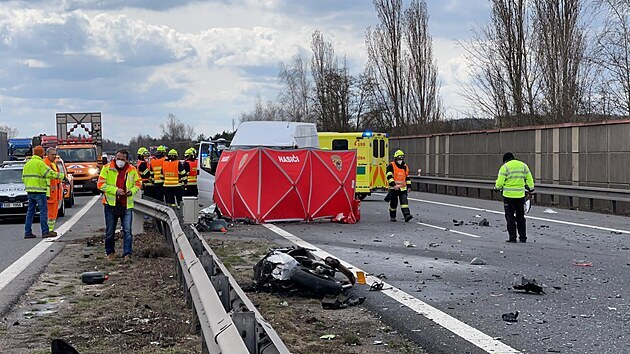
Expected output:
(29, 257)
(602, 228)
(459, 328)
(447, 229)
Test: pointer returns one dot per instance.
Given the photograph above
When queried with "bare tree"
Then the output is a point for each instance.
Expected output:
(612, 53)
(173, 130)
(560, 51)
(11, 131)
(503, 68)
(332, 86)
(264, 112)
(385, 54)
(296, 90)
(423, 94)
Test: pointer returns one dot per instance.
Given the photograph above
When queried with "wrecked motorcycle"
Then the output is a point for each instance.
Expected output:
(297, 269)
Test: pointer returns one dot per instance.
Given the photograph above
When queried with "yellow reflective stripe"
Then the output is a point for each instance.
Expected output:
(404, 205)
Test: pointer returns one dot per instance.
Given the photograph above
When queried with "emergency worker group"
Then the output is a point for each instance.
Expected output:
(167, 179)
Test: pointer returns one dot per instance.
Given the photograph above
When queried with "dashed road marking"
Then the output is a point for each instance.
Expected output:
(29, 257)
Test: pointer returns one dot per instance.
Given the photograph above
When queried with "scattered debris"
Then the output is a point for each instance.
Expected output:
(284, 304)
(433, 244)
(408, 244)
(458, 223)
(550, 211)
(478, 261)
(510, 317)
(477, 216)
(378, 241)
(340, 302)
(377, 342)
(210, 220)
(328, 337)
(377, 286)
(91, 278)
(484, 222)
(557, 287)
(528, 285)
(616, 232)
(583, 264)
(60, 346)
(612, 308)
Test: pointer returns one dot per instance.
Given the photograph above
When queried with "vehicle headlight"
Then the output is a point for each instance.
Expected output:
(93, 170)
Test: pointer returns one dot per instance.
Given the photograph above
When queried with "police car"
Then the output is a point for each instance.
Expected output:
(13, 197)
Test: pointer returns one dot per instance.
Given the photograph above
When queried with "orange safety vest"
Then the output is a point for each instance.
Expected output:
(170, 169)
(400, 176)
(192, 175)
(145, 180)
(54, 184)
(158, 176)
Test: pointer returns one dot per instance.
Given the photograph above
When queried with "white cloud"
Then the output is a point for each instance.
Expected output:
(204, 61)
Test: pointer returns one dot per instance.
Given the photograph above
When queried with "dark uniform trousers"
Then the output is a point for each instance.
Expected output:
(393, 203)
(515, 217)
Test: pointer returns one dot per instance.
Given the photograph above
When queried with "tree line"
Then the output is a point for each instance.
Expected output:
(534, 62)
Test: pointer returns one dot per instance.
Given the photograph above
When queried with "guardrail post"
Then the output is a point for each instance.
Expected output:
(614, 206)
(222, 286)
(207, 261)
(245, 322)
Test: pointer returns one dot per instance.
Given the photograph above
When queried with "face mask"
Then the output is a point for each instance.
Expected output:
(120, 163)
(399, 162)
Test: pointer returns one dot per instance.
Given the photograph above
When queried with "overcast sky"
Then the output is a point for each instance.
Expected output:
(204, 61)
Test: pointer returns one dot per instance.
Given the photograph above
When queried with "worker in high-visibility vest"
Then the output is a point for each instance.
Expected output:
(399, 184)
(146, 172)
(174, 179)
(158, 176)
(35, 176)
(55, 189)
(514, 179)
(191, 167)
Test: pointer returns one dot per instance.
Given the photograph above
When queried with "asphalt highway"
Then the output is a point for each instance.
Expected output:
(444, 303)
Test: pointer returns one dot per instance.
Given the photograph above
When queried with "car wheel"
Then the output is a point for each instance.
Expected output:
(62, 210)
(361, 196)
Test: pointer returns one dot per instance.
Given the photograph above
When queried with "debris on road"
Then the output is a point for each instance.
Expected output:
(510, 317)
(433, 244)
(477, 216)
(478, 261)
(62, 347)
(210, 220)
(377, 286)
(583, 264)
(458, 223)
(328, 337)
(484, 222)
(550, 211)
(92, 278)
(408, 244)
(340, 302)
(528, 285)
(377, 342)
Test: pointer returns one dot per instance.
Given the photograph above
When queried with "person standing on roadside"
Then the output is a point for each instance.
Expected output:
(119, 181)
(55, 192)
(513, 179)
(35, 176)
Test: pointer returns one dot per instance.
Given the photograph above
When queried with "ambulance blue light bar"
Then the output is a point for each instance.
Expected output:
(367, 134)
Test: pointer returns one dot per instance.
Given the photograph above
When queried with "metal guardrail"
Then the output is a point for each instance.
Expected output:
(226, 318)
(592, 193)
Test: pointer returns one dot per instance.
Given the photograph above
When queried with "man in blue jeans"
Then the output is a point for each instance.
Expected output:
(36, 176)
(119, 181)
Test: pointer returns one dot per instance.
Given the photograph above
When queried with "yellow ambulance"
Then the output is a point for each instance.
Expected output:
(372, 157)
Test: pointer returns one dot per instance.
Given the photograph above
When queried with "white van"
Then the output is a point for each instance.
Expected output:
(277, 135)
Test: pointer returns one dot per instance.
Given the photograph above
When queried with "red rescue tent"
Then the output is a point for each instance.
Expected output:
(266, 185)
